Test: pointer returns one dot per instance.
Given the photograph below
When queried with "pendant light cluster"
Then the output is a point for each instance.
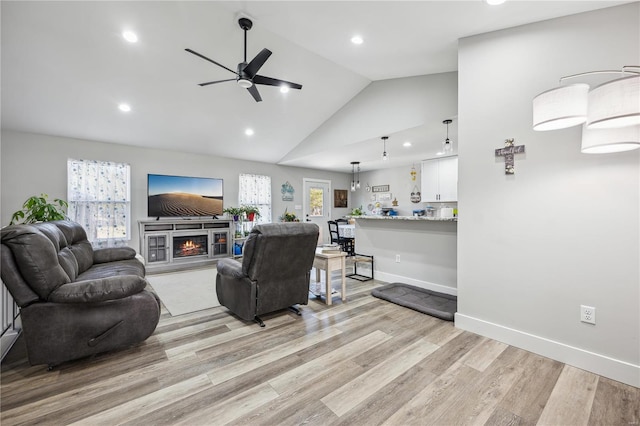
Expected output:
(447, 146)
(355, 175)
(609, 113)
(385, 156)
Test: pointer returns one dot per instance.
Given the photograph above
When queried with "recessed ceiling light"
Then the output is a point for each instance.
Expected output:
(130, 36)
(124, 107)
(407, 144)
(248, 132)
(284, 88)
(494, 2)
(357, 39)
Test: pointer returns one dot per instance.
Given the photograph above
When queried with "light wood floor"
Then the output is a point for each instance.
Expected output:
(364, 362)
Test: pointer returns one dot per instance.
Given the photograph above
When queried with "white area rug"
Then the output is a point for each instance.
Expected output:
(186, 291)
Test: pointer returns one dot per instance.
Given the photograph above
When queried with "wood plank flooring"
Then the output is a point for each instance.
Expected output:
(362, 362)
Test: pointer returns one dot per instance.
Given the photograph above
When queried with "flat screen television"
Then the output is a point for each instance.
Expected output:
(186, 196)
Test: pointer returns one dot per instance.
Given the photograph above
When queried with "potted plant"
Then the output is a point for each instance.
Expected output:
(39, 209)
(358, 211)
(252, 212)
(234, 211)
(289, 217)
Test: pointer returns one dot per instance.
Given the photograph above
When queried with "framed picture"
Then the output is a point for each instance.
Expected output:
(340, 197)
(384, 196)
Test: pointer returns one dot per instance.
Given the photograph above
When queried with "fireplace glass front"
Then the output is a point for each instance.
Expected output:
(188, 246)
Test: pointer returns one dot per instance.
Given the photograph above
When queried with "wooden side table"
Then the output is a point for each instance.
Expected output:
(330, 262)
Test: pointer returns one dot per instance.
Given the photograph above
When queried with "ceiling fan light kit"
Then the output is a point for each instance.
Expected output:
(610, 112)
(247, 75)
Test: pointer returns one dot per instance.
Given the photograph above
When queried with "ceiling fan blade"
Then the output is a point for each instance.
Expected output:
(217, 81)
(261, 79)
(256, 63)
(210, 60)
(254, 92)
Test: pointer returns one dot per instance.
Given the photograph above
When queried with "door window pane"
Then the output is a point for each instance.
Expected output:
(316, 198)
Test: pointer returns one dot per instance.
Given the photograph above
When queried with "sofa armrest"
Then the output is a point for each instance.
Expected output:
(230, 268)
(98, 290)
(113, 254)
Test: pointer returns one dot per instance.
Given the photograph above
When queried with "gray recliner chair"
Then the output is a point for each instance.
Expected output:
(274, 273)
(74, 301)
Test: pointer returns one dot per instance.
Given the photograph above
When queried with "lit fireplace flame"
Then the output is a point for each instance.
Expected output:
(191, 248)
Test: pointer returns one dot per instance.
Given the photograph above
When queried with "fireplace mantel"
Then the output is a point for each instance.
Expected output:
(205, 241)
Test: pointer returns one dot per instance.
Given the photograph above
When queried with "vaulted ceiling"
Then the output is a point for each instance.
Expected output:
(66, 68)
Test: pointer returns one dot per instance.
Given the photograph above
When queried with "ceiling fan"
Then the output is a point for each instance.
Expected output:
(247, 74)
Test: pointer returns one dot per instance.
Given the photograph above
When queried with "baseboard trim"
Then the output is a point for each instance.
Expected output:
(596, 363)
(392, 278)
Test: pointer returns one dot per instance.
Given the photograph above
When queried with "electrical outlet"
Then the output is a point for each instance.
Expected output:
(397, 258)
(588, 314)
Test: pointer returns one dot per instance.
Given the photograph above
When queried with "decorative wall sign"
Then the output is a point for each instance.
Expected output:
(384, 197)
(380, 188)
(415, 195)
(340, 198)
(287, 191)
(508, 153)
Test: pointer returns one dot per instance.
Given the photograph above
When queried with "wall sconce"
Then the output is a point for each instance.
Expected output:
(355, 180)
(606, 108)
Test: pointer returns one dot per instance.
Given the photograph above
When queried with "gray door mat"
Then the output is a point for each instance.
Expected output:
(439, 305)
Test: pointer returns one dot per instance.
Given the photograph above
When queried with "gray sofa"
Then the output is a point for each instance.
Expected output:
(274, 273)
(75, 301)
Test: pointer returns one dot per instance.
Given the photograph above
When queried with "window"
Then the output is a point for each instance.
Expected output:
(255, 190)
(98, 193)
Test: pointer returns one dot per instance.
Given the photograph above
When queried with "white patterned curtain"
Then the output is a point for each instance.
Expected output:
(255, 190)
(98, 193)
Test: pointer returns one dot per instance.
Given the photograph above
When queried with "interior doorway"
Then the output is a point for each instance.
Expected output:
(317, 205)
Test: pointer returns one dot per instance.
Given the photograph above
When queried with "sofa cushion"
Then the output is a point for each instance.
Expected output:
(98, 290)
(68, 262)
(53, 233)
(83, 253)
(118, 268)
(36, 258)
(112, 254)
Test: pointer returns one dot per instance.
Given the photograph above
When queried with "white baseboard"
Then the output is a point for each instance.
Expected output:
(596, 363)
(392, 278)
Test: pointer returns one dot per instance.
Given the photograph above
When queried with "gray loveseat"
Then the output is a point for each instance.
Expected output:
(274, 273)
(75, 301)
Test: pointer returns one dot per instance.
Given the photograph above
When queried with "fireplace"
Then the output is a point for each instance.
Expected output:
(190, 245)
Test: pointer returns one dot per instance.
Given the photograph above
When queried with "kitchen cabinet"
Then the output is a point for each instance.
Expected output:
(440, 180)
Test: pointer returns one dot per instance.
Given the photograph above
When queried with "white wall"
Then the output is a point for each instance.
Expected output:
(564, 230)
(33, 164)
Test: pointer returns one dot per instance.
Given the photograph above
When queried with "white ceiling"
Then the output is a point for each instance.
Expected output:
(65, 67)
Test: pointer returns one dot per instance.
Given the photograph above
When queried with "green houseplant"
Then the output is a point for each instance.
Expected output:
(252, 212)
(39, 209)
(289, 217)
(234, 211)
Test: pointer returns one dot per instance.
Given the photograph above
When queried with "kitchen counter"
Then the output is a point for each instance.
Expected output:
(416, 218)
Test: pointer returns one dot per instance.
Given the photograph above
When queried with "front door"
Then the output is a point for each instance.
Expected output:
(317, 205)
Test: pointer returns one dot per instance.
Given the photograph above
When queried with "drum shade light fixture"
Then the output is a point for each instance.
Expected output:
(608, 107)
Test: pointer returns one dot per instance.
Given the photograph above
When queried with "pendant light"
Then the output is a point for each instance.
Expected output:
(385, 156)
(447, 146)
(355, 184)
